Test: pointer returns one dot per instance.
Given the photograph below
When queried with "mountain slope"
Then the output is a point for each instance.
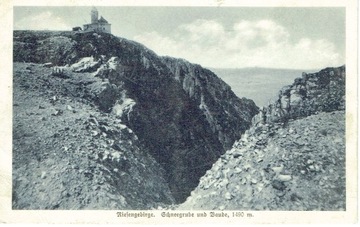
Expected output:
(184, 124)
(69, 155)
(292, 158)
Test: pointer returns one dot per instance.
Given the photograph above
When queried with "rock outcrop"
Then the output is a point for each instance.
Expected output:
(291, 159)
(183, 114)
(323, 91)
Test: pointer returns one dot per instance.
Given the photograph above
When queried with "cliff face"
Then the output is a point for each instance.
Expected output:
(182, 114)
(292, 158)
(227, 115)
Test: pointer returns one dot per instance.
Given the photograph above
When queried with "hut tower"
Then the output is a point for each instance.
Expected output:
(97, 25)
(94, 15)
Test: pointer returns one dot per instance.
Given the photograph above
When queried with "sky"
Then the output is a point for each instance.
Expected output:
(216, 37)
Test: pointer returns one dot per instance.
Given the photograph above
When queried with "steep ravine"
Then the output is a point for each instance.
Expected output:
(182, 115)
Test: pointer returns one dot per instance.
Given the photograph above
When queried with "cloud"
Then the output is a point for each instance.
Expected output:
(43, 21)
(261, 43)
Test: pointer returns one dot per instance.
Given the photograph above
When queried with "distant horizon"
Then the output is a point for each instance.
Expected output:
(269, 68)
(259, 84)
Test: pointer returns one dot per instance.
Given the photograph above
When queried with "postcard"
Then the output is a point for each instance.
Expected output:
(158, 112)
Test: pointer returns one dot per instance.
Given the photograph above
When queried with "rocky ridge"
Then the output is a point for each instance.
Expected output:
(181, 114)
(292, 158)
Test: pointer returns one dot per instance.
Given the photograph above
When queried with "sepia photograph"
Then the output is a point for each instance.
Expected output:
(185, 112)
